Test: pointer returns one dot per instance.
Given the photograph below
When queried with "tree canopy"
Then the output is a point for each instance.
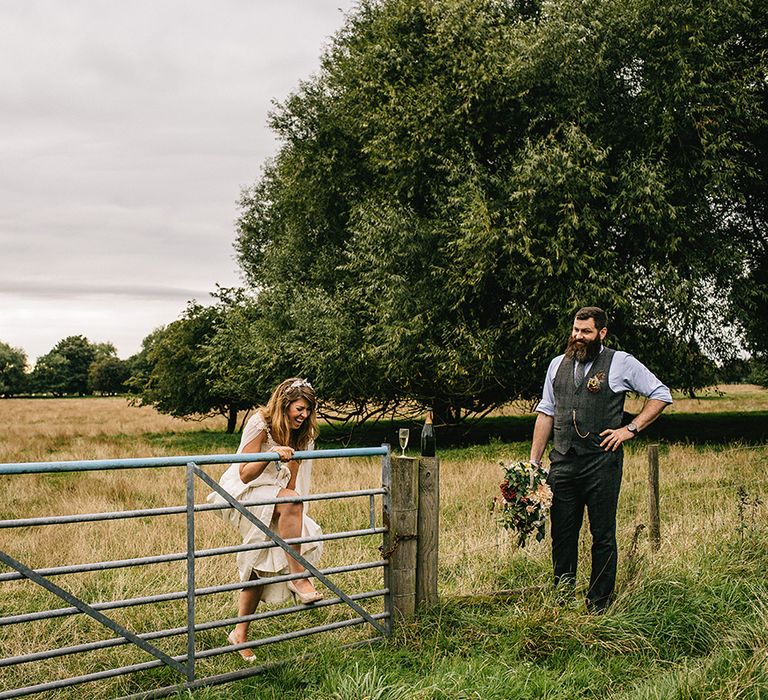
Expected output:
(179, 373)
(108, 374)
(462, 175)
(13, 366)
(64, 370)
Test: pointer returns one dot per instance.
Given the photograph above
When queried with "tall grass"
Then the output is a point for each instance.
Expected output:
(717, 399)
(714, 399)
(38, 430)
(689, 622)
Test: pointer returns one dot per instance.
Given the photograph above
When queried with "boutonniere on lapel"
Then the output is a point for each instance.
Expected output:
(595, 382)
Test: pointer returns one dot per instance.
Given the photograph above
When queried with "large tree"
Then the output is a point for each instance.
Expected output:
(140, 365)
(462, 175)
(176, 373)
(51, 375)
(64, 370)
(750, 299)
(13, 368)
(108, 374)
(245, 357)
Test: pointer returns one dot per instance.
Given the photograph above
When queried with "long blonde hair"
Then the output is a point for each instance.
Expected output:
(275, 413)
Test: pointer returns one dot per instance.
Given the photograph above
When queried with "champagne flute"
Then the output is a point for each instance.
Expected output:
(403, 434)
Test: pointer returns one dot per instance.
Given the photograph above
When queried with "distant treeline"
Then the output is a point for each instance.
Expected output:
(74, 366)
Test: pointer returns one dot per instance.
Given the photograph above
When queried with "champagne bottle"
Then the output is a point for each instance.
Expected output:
(428, 437)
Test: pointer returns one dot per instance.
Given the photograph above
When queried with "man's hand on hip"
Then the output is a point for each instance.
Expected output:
(613, 438)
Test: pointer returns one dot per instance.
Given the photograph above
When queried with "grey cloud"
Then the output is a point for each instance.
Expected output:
(37, 289)
(127, 131)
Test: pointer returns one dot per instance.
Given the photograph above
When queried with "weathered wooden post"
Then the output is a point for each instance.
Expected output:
(654, 524)
(400, 519)
(428, 531)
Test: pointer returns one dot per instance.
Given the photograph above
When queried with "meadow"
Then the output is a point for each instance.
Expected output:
(690, 621)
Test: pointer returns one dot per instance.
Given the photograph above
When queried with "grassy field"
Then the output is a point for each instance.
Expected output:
(690, 621)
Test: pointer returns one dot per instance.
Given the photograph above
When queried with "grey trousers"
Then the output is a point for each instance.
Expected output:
(590, 480)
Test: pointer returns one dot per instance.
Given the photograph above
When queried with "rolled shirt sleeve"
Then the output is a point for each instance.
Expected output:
(547, 403)
(633, 375)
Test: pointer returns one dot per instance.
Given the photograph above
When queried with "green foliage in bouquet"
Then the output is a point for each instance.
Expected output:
(527, 499)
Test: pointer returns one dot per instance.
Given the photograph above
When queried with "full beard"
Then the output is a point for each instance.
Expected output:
(581, 350)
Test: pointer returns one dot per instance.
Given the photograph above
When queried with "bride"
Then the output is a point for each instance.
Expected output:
(287, 423)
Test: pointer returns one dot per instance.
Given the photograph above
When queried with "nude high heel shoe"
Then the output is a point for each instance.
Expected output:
(246, 654)
(305, 598)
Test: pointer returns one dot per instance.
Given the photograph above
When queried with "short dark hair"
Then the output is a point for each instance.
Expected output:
(593, 312)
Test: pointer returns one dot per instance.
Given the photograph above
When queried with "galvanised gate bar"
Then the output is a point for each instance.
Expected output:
(184, 665)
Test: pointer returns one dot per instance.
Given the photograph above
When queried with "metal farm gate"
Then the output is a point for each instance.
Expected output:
(184, 665)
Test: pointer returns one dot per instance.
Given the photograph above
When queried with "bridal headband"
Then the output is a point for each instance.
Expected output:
(298, 384)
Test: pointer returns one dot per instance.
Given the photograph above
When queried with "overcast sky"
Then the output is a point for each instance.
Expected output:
(127, 130)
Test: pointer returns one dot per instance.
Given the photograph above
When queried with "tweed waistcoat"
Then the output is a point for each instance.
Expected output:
(592, 411)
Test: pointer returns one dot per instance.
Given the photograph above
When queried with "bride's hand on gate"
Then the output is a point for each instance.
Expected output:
(285, 452)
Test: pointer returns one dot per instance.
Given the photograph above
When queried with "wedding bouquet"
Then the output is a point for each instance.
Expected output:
(527, 499)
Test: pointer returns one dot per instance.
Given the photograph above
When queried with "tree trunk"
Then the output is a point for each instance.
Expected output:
(445, 413)
(231, 420)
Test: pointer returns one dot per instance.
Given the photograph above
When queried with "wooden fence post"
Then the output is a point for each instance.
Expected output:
(400, 539)
(654, 524)
(428, 531)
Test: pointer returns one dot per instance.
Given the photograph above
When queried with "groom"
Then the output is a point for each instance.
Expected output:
(583, 401)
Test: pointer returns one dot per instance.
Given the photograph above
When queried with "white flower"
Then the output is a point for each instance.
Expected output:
(542, 495)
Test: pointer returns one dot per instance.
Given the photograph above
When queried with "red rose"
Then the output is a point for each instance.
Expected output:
(508, 493)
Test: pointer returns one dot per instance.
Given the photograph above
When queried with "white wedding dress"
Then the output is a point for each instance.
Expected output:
(273, 561)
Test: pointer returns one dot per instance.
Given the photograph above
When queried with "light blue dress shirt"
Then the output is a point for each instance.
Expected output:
(626, 374)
